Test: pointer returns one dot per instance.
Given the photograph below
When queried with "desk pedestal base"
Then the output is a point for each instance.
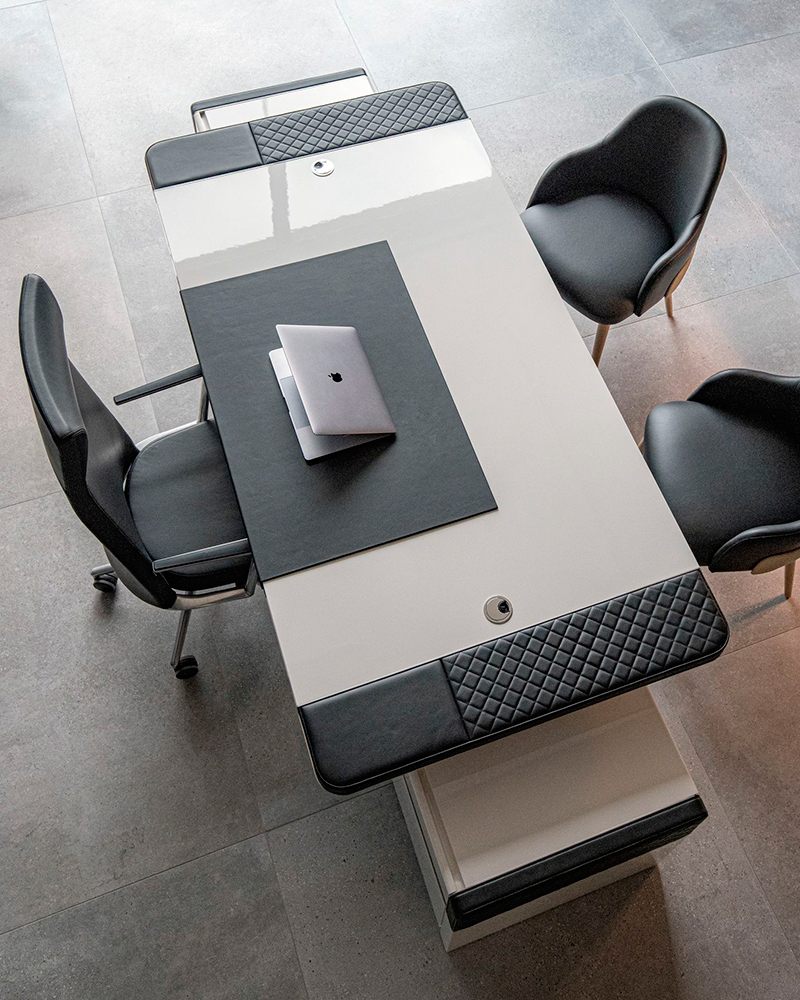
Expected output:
(522, 825)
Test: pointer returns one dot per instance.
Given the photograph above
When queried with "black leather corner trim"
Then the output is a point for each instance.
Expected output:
(362, 119)
(588, 655)
(190, 157)
(370, 732)
(471, 906)
(408, 720)
(278, 88)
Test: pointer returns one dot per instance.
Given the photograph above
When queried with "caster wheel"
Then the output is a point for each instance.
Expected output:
(187, 667)
(106, 583)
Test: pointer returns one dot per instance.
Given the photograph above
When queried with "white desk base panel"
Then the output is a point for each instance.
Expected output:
(476, 816)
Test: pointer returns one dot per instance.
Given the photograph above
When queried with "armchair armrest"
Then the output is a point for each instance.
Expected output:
(751, 547)
(167, 382)
(752, 393)
(665, 270)
(579, 172)
(241, 547)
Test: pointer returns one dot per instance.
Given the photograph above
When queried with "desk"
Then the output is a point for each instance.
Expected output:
(579, 519)
(392, 661)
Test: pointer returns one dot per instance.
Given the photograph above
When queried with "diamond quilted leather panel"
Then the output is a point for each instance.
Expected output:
(377, 116)
(622, 643)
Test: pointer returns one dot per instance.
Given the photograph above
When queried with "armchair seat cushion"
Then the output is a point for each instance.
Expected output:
(721, 474)
(598, 249)
(181, 497)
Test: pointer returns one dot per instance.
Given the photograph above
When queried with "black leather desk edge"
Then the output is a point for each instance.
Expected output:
(193, 157)
(278, 88)
(382, 729)
(523, 885)
(358, 120)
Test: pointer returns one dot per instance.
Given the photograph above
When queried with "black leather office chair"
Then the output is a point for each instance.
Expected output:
(728, 462)
(616, 223)
(165, 512)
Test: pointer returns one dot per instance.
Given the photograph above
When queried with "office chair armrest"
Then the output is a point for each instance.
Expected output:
(241, 547)
(666, 269)
(752, 393)
(747, 549)
(167, 382)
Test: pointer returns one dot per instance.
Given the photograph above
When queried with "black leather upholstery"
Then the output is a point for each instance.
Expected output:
(191, 157)
(87, 447)
(576, 241)
(728, 462)
(615, 222)
(469, 906)
(361, 119)
(379, 728)
(405, 721)
(181, 497)
(191, 505)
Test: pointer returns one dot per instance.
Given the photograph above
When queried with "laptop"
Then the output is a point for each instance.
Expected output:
(333, 398)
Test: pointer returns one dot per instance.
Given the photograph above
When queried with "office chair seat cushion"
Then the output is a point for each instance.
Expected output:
(181, 498)
(721, 474)
(598, 250)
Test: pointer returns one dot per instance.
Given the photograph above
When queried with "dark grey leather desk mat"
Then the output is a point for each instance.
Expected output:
(298, 514)
(409, 719)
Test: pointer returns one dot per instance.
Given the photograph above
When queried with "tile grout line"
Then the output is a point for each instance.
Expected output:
(41, 496)
(353, 39)
(71, 98)
(730, 169)
(75, 201)
(565, 85)
(266, 833)
(628, 21)
(701, 302)
(100, 209)
(767, 223)
(745, 856)
(127, 885)
(48, 208)
(728, 48)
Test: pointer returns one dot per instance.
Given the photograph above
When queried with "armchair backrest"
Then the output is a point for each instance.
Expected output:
(669, 153)
(88, 448)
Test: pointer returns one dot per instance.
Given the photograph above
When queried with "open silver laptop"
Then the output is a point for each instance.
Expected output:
(333, 398)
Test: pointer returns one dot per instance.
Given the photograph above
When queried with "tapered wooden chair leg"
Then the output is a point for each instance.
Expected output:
(678, 279)
(788, 579)
(599, 342)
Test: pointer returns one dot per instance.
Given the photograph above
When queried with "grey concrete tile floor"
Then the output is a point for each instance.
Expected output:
(164, 840)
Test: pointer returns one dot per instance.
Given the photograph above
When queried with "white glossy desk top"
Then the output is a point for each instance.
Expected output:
(579, 519)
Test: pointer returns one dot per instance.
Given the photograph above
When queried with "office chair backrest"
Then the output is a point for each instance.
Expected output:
(669, 153)
(87, 446)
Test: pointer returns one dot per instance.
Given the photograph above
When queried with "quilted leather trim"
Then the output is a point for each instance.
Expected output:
(587, 655)
(347, 123)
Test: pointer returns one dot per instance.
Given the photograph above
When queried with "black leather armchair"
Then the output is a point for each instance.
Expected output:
(165, 511)
(617, 223)
(728, 462)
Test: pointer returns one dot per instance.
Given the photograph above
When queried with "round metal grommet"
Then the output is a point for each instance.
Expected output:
(322, 167)
(498, 609)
